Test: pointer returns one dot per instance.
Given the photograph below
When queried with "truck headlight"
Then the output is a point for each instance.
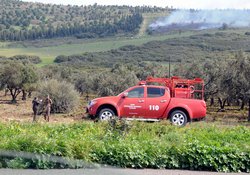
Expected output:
(92, 102)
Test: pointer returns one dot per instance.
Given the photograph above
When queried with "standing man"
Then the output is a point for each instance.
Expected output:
(48, 103)
(35, 107)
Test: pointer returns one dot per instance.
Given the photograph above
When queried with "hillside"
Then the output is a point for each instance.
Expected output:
(28, 21)
(210, 44)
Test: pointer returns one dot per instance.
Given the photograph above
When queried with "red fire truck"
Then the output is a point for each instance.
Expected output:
(177, 99)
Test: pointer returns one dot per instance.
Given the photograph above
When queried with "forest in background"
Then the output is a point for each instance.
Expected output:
(28, 21)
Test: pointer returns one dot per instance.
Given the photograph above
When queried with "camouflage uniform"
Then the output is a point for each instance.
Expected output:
(47, 103)
(35, 107)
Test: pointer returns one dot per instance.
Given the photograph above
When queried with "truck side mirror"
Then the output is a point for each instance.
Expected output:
(125, 94)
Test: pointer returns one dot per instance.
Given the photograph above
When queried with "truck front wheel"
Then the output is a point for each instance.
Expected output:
(106, 114)
(178, 118)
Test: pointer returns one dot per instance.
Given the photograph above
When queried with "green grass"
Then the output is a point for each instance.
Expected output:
(69, 46)
(3, 44)
(199, 146)
(47, 54)
(46, 61)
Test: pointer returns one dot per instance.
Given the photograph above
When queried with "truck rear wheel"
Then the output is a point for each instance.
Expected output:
(106, 114)
(178, 118)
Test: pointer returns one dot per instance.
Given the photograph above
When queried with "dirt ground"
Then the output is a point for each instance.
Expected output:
(231, 116)
(22, 112)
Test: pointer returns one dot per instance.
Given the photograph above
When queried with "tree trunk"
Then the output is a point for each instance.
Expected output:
(30, 94)
(228, 102)
(87, 97)
(24, 97)
(222, 104)
(14, 93)
(242, 105)
(249, 109)
(211, 101)
(238, 102)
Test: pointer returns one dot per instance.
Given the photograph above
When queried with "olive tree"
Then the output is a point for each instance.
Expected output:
(63, 94)
(209, 71)
(54, 71)
(84, 83)
(114, 82)
(17, 77)
(30, 79)
(143, 70)
(236, 78)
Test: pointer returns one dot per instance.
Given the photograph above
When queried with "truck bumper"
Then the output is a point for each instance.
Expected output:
(88, 112)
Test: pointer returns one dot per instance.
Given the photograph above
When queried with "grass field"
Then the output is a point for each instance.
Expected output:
(47, 50)
(48, 54)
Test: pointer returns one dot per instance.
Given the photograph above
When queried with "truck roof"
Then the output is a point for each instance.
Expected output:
(179, 87)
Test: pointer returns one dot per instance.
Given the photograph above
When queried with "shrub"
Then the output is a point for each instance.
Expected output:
(61, 58)
(65, 98)
(247, 33)
(86, 35)
(26, 59)
(134, 144)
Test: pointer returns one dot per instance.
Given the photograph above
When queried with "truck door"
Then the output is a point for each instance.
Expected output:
(133, 105)
(157, 101)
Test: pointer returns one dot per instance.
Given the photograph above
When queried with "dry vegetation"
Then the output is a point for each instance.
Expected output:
(22, 111)
(231, 116)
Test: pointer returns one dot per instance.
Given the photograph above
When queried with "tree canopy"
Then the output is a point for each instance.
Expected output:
(27, 21)
(17, 77)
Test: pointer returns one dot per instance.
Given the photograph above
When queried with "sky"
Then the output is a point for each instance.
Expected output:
(196, 4)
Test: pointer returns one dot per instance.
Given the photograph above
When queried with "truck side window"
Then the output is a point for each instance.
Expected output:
(155, 92)
(136, 93)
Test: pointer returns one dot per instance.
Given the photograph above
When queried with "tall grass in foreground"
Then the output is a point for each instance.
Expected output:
(138, 145)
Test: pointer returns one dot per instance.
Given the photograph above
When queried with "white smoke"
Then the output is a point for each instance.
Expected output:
(205, 18)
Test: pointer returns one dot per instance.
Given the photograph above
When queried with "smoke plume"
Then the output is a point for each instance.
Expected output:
(204, 19)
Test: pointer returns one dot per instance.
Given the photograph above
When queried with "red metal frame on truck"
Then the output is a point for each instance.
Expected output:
(179, 87)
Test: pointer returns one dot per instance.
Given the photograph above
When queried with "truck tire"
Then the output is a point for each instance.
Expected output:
(178, 118)
(106, 114)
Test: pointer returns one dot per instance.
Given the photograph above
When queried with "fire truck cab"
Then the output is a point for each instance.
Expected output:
(180, 100)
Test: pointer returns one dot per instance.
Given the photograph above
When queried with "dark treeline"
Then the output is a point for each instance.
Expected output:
(27, 21)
